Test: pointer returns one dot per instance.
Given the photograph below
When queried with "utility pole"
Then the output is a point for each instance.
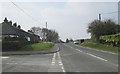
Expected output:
(46, 25)
(46, 33)
(119, 12)
(99, 17)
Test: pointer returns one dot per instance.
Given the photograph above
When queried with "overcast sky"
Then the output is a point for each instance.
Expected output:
(69, 19)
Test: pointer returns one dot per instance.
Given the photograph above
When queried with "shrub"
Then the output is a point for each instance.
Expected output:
(111, 39)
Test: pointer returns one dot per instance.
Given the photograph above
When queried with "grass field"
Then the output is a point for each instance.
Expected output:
(99, 46)
(38, 46)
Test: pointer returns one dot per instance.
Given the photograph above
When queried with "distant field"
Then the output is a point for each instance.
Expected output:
(99, 46)
(38, 46)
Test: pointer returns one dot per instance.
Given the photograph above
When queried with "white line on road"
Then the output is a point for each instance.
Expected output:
(54, 55)
(79, 50)
(63, 69)
(60, 62)
(53, 62)
(53, 59)
(4, 57)
(11, 63)
(57, 63)
(93, 55)
(102, 51)
(96, 57)
(98, 50)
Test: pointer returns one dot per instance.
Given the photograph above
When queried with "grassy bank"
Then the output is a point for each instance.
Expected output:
(38, 46)
(99, 46)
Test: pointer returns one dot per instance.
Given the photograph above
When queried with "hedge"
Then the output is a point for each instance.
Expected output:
(111, 39)
(13, 45)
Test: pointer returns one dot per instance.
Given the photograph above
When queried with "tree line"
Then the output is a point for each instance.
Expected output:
(99, 28)
(45, 34)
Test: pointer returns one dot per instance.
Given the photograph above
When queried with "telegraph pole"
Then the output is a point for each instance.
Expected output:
(46, 25)
(99, 17)
(46, 33)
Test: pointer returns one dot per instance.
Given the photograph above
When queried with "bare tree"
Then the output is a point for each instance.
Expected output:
(36, 30)
(46, 34)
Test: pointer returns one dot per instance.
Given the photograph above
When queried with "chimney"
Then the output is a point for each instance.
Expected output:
(5, 20)
(15, 24)
(10, 22)
(19, 26)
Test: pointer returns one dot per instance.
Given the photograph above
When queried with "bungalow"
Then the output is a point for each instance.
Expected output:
(13, 32)
(13, 37)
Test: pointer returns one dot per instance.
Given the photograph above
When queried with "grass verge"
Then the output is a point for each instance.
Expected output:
(37, 46)
(99, 46)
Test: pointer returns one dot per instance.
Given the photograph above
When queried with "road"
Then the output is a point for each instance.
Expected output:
(70, 58)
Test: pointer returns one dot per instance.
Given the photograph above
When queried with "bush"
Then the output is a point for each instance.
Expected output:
(110, 39)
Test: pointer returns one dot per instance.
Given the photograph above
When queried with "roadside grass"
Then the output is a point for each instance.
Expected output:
(42, 46)
(37, 46)
(99, 46)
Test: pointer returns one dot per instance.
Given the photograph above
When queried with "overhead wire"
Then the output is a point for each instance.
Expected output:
(24, 12)
(111, 12)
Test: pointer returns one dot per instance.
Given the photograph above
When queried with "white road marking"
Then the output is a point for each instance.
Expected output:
(96, 57)
(53, 62)
(57, 62)
(79, 50)
(63, 69)
(53, 59)
(103, 51)
(54, 55)
(11, 63)
(98, 50)
(60, 62)
(4, 57)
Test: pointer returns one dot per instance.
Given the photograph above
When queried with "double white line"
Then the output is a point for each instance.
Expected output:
(58, 60)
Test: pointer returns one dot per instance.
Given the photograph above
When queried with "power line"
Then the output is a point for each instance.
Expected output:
(24, 11)
(111, 12)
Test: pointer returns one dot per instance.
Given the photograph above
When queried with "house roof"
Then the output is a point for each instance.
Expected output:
(7, 29)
